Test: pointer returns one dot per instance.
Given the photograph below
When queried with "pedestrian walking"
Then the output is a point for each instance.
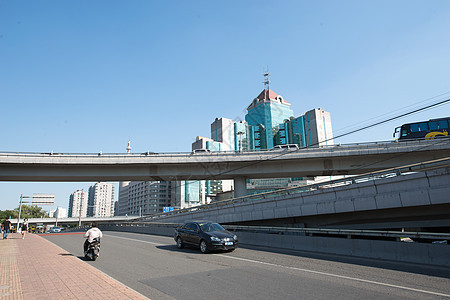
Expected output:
(6, 228)
(24, 228)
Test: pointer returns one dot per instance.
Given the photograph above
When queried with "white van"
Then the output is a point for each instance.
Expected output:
(201, 151)
(286, 147)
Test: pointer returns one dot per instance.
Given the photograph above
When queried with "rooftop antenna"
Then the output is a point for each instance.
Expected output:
(267, 83)
(266, 79)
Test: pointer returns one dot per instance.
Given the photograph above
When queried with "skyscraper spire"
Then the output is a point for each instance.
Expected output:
(129, 147)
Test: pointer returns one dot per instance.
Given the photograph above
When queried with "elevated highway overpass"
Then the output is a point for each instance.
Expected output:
(410, 197)
(324, 161)
(84, 220)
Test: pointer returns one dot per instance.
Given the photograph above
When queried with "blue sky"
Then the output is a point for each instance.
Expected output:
(86, 76)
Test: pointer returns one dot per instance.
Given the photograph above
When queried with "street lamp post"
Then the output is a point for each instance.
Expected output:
(20, 208)
(79, 214)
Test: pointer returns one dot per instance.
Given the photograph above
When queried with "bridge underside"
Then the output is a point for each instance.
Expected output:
(407, 201)
(431, 218)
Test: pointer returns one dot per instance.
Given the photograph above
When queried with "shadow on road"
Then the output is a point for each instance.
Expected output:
(429, 270)
(79, 257)
(187, 249)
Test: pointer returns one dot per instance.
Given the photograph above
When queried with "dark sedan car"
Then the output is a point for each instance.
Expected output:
(207, 236)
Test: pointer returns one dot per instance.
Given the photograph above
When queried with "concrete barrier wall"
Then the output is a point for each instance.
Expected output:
(419, 189)
(430, 254)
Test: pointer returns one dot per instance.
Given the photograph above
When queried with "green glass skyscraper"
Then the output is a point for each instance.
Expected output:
(267, 111)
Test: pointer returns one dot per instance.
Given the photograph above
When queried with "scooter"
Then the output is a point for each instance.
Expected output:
(93, 250)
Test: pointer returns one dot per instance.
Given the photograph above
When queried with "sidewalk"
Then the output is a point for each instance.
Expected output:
(34, 268)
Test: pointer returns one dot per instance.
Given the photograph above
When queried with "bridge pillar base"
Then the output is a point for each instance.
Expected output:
(240, 187)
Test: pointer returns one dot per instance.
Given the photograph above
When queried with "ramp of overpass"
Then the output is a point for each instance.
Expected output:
(411, 197)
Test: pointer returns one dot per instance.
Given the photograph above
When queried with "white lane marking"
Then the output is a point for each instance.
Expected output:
(306, 270)
(136, 240)
(337, 276)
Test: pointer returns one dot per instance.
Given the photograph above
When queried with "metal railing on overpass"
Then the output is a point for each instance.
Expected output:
(405, 170)
(321, 148)
(75, 220)
(172, 154)
(347, 233)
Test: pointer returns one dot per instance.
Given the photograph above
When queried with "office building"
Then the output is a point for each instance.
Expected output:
(143, 197)
(269, 122)
(188, 193)
(264, 114)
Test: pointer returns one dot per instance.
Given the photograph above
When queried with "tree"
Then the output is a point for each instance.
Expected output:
(7, 214)
(30, 211)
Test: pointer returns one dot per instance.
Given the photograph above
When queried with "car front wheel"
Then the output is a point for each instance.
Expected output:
(180, 244)
(203, 246)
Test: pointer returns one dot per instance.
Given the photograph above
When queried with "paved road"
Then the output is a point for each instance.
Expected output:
(153, 266)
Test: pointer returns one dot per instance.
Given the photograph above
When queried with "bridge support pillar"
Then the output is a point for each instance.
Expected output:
(240, 187)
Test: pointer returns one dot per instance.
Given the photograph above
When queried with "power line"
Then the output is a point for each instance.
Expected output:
(443, 102)
(394, 118)
(394, 111)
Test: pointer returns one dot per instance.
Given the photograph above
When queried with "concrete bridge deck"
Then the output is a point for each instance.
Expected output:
(326, 161)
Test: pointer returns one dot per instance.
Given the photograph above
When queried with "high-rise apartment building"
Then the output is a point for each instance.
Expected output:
(122, 203)
(143, 197)
(101, 200)
(223, 133)
(78, 204)
(318, 128)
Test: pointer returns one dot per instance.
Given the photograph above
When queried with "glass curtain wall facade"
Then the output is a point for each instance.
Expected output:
(266, 112)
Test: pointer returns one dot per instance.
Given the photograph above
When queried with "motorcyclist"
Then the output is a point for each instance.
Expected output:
(91, 234)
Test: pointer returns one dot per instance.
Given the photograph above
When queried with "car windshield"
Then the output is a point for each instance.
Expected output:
(208, 227)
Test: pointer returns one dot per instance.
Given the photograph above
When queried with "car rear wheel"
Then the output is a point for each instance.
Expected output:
(203, 246)
(180, 244)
